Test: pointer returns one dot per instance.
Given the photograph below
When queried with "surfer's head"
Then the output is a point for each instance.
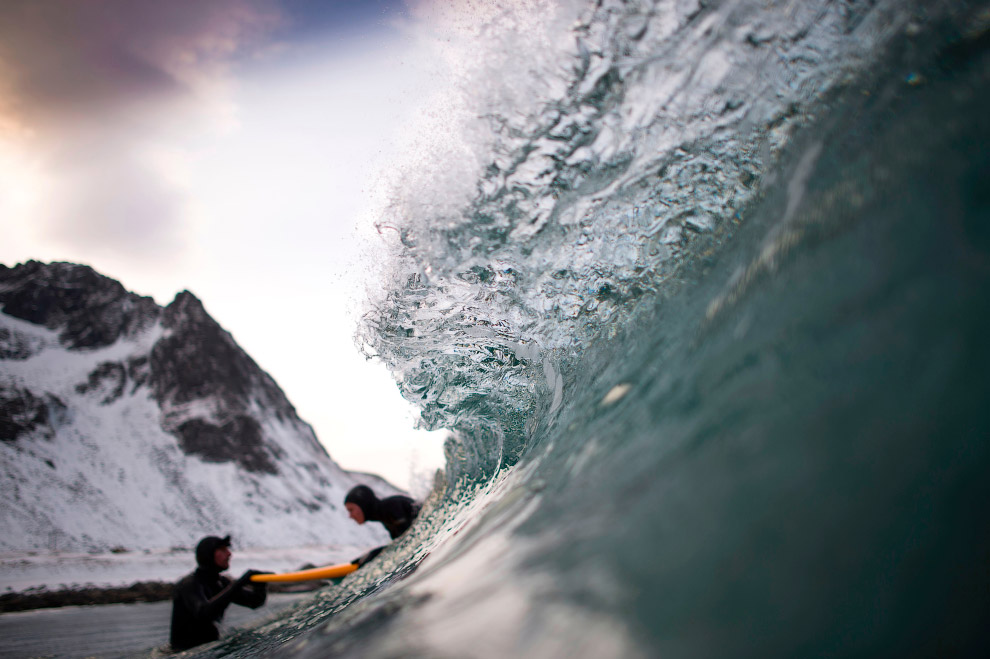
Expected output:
(213, 553)
(360, 503)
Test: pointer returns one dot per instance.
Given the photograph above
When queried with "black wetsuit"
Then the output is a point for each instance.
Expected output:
(396, 514)
(196, 608)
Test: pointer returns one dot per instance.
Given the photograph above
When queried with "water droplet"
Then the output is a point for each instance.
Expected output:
(616, 394)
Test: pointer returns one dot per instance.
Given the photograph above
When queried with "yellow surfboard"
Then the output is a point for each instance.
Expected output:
(327, 572)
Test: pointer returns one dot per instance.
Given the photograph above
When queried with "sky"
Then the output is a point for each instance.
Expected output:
(233, 148)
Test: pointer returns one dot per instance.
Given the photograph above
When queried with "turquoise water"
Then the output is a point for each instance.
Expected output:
(710, 338)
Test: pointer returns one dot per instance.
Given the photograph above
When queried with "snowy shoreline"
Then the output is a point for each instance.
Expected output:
(37, 572)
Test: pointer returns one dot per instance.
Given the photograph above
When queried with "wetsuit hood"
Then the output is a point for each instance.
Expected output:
(205, 550)
(364, 498)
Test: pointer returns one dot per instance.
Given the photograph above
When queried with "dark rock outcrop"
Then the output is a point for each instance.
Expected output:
(238, 440)
(108, 378)
(89, 309)
(13, 346)
(141, 591)
(22, 412)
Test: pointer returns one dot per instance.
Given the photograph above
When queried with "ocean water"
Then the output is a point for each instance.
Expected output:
(705, 308)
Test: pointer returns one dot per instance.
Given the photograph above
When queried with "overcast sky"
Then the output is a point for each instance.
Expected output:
(230, 148)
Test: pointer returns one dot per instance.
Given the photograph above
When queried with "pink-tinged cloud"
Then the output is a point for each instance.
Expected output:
(65, 60)
(93, 92)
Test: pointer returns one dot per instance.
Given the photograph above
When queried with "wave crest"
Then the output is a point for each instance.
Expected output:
(648, 132)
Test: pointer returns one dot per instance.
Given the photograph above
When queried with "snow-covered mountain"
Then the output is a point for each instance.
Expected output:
(126, 424)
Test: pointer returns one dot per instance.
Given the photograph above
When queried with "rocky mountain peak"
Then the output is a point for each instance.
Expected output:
(89, 309)
(133, 421)
(197, 361)
(186, 308)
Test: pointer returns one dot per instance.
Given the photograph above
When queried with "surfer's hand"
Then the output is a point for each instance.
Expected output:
(364, 558)
(246, 577)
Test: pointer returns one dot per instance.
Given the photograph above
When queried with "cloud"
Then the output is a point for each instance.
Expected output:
(93, 92)
(64, 60)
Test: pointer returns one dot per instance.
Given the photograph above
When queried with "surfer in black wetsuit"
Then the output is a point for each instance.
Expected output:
(200, 598)
(395, 513)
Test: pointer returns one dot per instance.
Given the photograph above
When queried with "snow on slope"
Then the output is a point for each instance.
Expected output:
(106, 462)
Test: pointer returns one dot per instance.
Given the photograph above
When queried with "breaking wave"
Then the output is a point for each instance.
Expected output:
(699, 290)
(605, 159)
